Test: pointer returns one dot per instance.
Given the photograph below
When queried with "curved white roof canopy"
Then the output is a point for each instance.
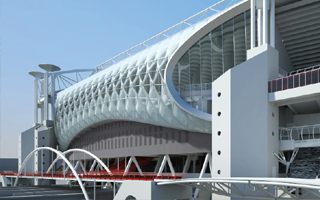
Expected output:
(134, 89)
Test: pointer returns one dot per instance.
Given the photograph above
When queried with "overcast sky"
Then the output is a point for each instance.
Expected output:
(71, 34)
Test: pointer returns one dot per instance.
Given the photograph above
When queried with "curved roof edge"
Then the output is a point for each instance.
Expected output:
(180, 26)
(213, 22)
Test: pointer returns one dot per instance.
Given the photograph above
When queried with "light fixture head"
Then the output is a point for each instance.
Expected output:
(36, 74)
(49, 67)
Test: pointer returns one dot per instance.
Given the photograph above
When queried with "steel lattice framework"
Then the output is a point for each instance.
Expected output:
(134, 89)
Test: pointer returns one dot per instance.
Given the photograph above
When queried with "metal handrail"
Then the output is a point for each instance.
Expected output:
(300, 79)
(194, 87)
(190, 21)
(305, 69)
(300, 133)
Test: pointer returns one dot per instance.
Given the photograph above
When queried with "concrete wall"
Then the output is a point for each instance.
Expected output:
(43, 137)
(8, 164)
(248, 122)
(26, 145)
(306, 119)
(284, 60)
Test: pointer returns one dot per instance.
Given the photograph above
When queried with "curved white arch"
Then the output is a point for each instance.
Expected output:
(83, 151)
(202, 30)
(59, 153)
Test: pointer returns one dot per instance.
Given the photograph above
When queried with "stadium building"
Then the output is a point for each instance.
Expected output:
(228, 96)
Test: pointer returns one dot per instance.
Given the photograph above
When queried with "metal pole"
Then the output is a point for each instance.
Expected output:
(114, 189)
(53, 98)
(259, 20)
(36, 100)
(272, 23)
(253, 23)
(94, 189)
(265, 9)
(45, 106)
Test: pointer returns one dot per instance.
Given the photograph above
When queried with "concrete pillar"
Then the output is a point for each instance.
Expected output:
(253, 23)
(244, 123)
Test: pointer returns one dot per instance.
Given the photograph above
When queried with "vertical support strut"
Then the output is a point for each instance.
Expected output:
(186, 165)
(166, 159)
(45, 104)
(262, 16)
(282, 159)
(272, 23)
(36, 88)
(259, 22)
(207, 160)
(93, 165)
(253, 24)
(265, 21)
(132, 160)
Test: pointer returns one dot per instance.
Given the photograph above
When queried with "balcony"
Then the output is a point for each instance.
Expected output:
(296, 79)
(299, 137)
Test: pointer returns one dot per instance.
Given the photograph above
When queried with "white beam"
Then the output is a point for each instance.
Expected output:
(157, 167)
(259, 22)
(76, 165)
(272, 24)
(93, 165)
(82, 167)
(126, 171)
(186, 165)
(207, 161)
(166, 159)
(170, 166)
(163, 164)
(45, 104)
(265, 21)
(36, 88)
(137, 165)
(253, 23)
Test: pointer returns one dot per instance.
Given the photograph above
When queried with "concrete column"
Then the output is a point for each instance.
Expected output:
(253, 24)
(244, 122)
(272, 23)
(265, 21)
(45, 104)
(259, 23)
(53, 98)
(36, 87)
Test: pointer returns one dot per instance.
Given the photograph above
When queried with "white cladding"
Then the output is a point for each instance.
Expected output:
(134, 89)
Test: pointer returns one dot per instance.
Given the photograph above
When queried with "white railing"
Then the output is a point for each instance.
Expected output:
(190, 21)
(305, 69)
(300, 133)
(195, 87)
(282, 72)
(295, 79)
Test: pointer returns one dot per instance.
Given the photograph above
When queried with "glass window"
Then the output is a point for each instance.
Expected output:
(228, 47)
(207, 59)
(239, 39)
(195, 64)
(205, 63)
(216, 45)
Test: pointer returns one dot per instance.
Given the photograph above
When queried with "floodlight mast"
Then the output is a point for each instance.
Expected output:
(49, 68)
(37, 76)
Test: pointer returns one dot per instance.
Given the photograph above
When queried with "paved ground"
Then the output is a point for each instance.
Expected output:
(51, 193)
